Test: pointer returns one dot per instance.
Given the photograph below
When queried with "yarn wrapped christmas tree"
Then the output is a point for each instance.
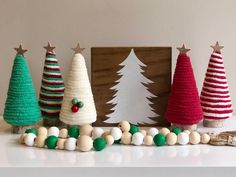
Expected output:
(184, 108)
(215, 97)
(21, 107)
(78, 107)
(52, 89)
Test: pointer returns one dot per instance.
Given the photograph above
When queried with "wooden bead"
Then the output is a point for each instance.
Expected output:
(86, 130)
(116, 133)
(144, 132)
(22, 137)
(29, 139)
(43, 131)
(40, 141)
(61, 143)
(70, 144)
(152, 131)
(63, 133)
(194, 137)
(124, 126)
(171, 139)
(148, 140)
(109, 139)
(187, 131)
(105, 133)
(205, 138)
(126, 138)
(85, 143)
(97, 132)
(137, 139)
(164, 131)
(53, 131)
(183, 138)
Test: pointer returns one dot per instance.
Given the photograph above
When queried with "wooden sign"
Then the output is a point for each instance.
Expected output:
(131, 83)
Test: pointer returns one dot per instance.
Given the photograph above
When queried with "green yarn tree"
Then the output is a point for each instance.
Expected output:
(21, 107)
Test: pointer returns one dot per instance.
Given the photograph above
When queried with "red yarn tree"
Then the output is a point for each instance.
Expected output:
(215, 97)
(184, 108)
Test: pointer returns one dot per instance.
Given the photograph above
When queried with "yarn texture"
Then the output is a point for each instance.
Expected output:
(184, 106)
(21, 107)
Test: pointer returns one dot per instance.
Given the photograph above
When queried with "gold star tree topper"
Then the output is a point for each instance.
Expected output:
(217, 47)
(78, 49)
(20, 50)
(49, 48)
(183, 50)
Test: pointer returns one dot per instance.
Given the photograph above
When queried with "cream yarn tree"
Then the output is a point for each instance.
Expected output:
(78, 107)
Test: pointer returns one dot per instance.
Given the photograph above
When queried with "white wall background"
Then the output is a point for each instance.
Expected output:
(115, 23)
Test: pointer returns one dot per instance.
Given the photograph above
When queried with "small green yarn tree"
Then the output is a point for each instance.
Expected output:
(21, 107)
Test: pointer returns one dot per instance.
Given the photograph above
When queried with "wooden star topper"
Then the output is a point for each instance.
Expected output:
(49, 48)
(217, 47)
(20, 50)
(183, 50)
(77, 49)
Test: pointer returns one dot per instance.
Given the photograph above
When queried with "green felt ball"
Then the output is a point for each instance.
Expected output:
(80, 104)
(117, 141)
(51, 142)
(133, 129)
(99, 144)
(75, 101)
(31, 130)
(176, 130)
(73, 132)
(159, 139)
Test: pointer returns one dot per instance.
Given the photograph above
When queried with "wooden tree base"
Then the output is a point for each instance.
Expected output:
(213, 123)
(52, 122)
(186, 127)
(21, 129)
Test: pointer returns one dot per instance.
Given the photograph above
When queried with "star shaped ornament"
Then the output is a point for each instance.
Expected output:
(183, 50)
(217, 47)
(49, 48)
(20, 50)
(77, 49)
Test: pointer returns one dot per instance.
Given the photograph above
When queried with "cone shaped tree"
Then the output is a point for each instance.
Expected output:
(184, 108)
(215, 97)
(21, 107)
(52, 89)
(78, 107)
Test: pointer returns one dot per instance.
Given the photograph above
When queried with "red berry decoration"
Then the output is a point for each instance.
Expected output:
(75, 108)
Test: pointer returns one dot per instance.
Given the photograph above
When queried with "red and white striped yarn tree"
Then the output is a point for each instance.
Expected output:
(215, 97)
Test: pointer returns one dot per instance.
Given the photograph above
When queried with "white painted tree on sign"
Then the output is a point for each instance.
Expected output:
(132, 98)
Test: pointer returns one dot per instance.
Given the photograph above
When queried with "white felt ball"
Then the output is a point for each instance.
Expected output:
(116, 133)
(187, 131)
(43, 131)
(63, 133)
(194, 137)
(148, 140)
(144, 132)
(29, 139)
(53, 131)
(22, 137)
(205, 138)
(61, 143)
(85, 143)
(97, 132)
(86, 130)
(137, 139)
(40, 141)
(126, 138)
(183, 138)
(124, 126)
(171, 139)
(164, 131)
(70, 144)
(152, 131)
(109, 139)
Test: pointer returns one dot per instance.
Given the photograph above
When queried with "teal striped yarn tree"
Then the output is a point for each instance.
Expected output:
(52, 89)
(21, 108)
